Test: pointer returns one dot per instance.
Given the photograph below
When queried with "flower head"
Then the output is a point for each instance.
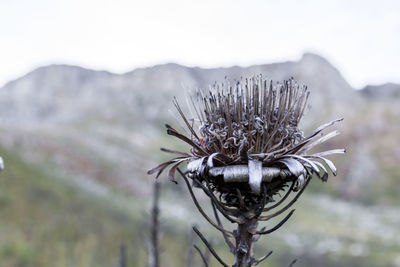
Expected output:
(246, 138)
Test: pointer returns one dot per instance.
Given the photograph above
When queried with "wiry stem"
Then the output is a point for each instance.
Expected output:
(201, 255)
(244, 243)
(276, 227)
(282, 199)
(199, 207)
(189, 253)
(259, 260)
(246, 233)
(226, 237)
(209, 247)
(266, 218)
(153, 243)
(225, 211)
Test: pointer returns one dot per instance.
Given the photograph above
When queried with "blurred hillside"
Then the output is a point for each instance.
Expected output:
(101, 131)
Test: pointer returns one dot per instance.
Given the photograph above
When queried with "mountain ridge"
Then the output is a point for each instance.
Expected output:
(385, 91)
(50, 92)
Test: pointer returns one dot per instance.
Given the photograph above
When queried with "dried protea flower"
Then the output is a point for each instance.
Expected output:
(247, 136)
(245, 147)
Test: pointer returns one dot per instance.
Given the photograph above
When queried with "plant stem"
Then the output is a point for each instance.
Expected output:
(153, 244)
(244, 243)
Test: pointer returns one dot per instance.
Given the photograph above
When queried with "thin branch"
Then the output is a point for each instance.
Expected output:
(276, 227)
(282, 199)
(219, 205)
(292, 263)
(154, 232)
(227, 240)
(232, 211)
(257, 237)
(199, 207)
(209, 247)
(189, 253)
(201, 255)
(264, 201)
(122, 256)
(259, 260)
(266, 218)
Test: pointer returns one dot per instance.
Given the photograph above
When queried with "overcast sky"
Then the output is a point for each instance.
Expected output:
(360, 38)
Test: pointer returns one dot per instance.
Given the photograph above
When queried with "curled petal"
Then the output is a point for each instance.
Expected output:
(294, 166)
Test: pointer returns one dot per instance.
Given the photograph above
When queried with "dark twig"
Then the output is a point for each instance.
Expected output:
(231, 211)
(189, 253)
(122, 256)
(209, 247)
(263, 202)
(276, 227)
(227, 240)
(153, 243)
(266, 218)
(292, 263)
(207, 254)
(282, 199)
(201, 255)
(257, 237)
(199, 207)
(224, 210)
(259, 260)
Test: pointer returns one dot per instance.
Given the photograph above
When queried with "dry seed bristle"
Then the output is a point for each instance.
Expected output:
(254, 115)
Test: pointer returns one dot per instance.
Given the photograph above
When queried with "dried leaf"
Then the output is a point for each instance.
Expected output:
(294, 166)
(319, 141)
(330, 164)
(329, 152)
(313, 166)
(255, 175)
(173, 132)
(300, 181)
(175, 152)
(319, 164)
(323, 127)
(171, 173)
(160, 168)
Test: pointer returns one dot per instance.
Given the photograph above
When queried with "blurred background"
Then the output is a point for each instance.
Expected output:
(85, 89)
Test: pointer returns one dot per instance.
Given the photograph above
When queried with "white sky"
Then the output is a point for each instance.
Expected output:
(361, 38)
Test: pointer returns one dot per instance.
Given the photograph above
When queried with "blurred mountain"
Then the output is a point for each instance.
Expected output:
(102, 131)
(70, 94)
(385, 91)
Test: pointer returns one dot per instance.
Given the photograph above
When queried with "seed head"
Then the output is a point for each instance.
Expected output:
(246, 138)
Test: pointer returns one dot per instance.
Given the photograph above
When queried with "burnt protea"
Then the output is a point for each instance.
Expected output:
(246, 147)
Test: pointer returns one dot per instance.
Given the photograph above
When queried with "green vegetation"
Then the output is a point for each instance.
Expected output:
(44, 221)
(48, 221)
